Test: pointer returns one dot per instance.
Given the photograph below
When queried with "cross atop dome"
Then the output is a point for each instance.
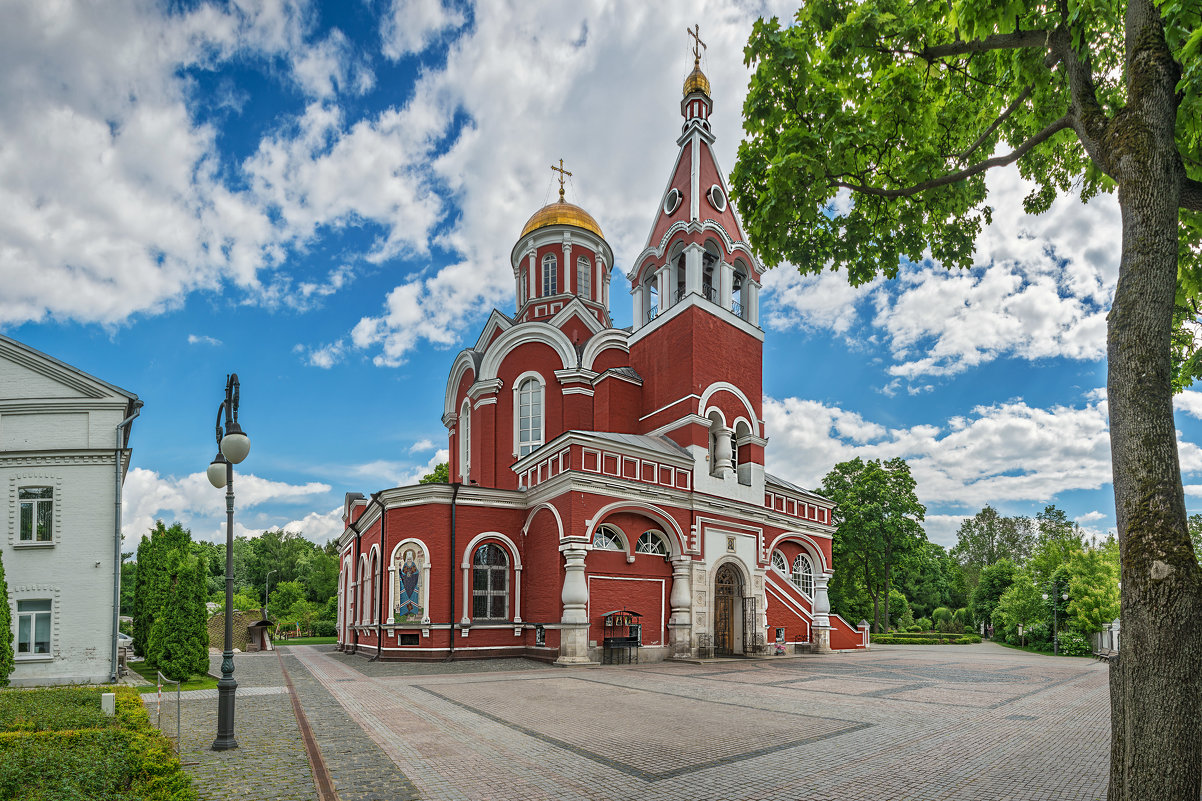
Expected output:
(696, 104)
(695, 32)
(562, 174)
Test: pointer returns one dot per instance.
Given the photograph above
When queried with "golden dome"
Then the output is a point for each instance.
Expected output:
(696, 82)
(562, 213)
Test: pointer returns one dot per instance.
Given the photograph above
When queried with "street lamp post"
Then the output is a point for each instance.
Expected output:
(1055, 632)
(267, 592)
(232, 447)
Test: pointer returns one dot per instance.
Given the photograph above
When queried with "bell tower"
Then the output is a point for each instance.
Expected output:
(696, 339)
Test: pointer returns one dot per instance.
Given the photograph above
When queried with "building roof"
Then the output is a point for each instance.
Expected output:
(659, 444)
(788, 485)
(562, 213)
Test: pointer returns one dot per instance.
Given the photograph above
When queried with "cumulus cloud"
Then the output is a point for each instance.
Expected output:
(421, 445)
(148, 496)
(1090, 517)
(410, 26)
(325, 356)
(320, 527)
(1002, 452)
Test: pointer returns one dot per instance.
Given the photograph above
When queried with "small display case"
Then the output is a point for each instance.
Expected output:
(623, 637)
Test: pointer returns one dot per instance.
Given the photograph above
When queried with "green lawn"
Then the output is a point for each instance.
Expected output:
(202, 682)
(1031, 650)
(308, 641)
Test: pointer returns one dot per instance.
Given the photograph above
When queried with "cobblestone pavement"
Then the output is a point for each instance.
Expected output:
(903, 722)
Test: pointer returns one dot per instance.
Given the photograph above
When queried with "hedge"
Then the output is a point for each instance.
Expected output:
(889, 639)
(72, 752)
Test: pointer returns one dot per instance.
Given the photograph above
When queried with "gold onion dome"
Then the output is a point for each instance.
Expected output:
(562, 213)
(696, 82)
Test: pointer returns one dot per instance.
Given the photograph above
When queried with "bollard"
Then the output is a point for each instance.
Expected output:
(108, 703)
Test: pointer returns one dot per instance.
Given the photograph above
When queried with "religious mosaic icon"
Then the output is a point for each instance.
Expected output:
(409, 589)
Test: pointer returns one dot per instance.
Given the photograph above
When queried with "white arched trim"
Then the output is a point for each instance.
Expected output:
(392, 579)
(520, 335)
(655, 253)
(622, 537)
(810, 546)
(466, 360)
(677, 542)
(709, 415)
(719, 386)
(466, 565)
(535, 510)
(609, 338)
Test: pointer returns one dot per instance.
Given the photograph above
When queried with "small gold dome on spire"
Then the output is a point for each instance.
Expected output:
(562, 213)
(696, 82)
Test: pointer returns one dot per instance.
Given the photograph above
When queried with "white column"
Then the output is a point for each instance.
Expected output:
(822, 602)
(426, 592)
(604, 296)
(692, 268)
(532, 288)
(723, 462)
(467, 594)
(517, 595)
(391, 594)
(680, 624)
(639, 297)
(569, 274)
(753, 302)
(599, 280)
(575, 587)
(726, 282)
(666, 291)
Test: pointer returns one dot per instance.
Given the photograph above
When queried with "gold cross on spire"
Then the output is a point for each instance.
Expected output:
(695, 32)
(562, 174)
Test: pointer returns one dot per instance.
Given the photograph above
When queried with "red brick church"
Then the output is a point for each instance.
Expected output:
(608, 484)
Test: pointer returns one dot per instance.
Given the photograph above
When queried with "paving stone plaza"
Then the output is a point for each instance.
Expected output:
(906, 722)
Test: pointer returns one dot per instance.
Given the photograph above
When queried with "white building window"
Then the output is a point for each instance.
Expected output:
(607, 539)
(33, 628)
(37, 514)
(490, 583)
(778, 562)
(530, 416)
(651, 542)
(550, 277)
(465, 441)
(584, 277)
(803, 574)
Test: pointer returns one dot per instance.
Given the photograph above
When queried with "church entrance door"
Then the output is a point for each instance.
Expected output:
(728, 585)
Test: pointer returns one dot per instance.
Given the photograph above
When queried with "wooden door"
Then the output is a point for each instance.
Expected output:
(726, 586)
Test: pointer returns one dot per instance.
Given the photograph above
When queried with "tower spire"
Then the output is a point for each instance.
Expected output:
(698, 45)
(562, 174)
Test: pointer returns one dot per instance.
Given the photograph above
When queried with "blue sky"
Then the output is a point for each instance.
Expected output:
(322, 198)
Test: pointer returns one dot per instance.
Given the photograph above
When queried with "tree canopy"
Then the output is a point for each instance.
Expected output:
(903, 107)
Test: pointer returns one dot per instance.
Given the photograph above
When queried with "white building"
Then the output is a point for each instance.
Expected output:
(64, 438)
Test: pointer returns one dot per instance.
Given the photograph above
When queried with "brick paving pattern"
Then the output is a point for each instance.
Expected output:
(912, 722)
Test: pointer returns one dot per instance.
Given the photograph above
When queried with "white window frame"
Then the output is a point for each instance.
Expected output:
(536, 442)
(37, 480)
(612, 535)
(584, 277)
(550, 276)
(33, 617)
(796, 575)
(465, 441)
(657, 536)
(35, 506)
(491, 591)
(780, 563)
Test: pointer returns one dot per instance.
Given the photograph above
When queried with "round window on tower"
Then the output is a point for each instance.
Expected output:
(717, 198)
(671, 200)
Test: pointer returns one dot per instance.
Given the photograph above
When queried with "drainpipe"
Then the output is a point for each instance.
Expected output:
(454, 497)
(380, 601)
(136, 410)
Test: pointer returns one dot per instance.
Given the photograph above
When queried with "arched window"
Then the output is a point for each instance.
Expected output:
(525, 284)
(709, 261)
(653, 307)
(651, 542)
(778, 562)
(550, 275)
(530, 416)
(465, 441)
(584, 277)
(490, 583)
(742, 432)
(607, 539)
(680, 276)
(738, 298)
(803, 574)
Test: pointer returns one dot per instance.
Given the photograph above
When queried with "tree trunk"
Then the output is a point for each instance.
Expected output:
(887, 585)
(1156, 686)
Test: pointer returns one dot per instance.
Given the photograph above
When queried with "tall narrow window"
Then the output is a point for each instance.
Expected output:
(530, 416)
(803, 574)
(33, 627)
(738, 303)
(37, 513)
(465, 441)
(550, 277)
(584, 277)
(525, 284)
(490, 583)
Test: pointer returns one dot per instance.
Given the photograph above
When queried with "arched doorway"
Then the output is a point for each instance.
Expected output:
(728, 594)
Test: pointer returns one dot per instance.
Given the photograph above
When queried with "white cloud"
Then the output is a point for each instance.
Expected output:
(1189, 401)
(421, 445)
(202, 339)
(941, 529)
(192, 500)
(1004, 452)
(1090, 517)
(410, 26)
(325, 356)
(319, 527)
